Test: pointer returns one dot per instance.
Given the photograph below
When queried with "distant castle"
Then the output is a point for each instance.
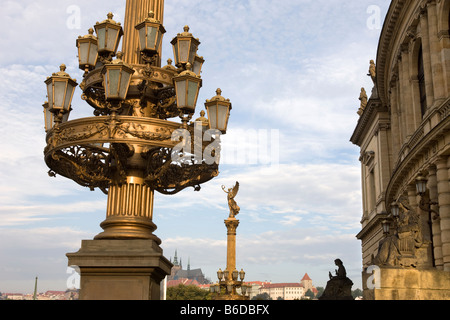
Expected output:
(186, 276)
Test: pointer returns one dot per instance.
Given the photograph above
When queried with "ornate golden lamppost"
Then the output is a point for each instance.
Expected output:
(231, 281)
(130, 148)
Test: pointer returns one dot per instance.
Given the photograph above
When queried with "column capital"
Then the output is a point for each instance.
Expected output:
(232, 224)
(442, 161)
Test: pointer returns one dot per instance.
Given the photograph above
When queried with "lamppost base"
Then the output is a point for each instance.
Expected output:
(128, 228)
(120, 269)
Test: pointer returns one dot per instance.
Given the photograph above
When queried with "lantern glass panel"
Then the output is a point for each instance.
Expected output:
(181, 94)
(113, 84)
(60, 90)
(159, 40)
(112, 39)
(175, 52)
(124, 83)
(93, 52)
(222, 117)
(395, 210)
(212, 116)
(50, 94)
(84, 52)
(69, 95)
(142, 38)
(101, 35)
(151, 37)
(192, 93)
(386, 226)
(184, 50)
(193, 52)
(421, 185)
(197, 67)
(48, 119)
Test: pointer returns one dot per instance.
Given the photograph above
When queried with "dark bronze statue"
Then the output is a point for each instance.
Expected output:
(339, 287)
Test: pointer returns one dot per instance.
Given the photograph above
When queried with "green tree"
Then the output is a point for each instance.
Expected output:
(320, 291)
(183, 292)
(309, 294)
(357, 293)
(262, 296)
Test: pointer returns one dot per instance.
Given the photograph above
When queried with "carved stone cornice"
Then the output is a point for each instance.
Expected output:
(394, 40)
(373, 108)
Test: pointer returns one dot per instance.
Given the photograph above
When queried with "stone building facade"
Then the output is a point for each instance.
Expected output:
(404, 135)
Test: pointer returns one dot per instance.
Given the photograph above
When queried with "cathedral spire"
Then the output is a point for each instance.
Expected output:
(175, 259)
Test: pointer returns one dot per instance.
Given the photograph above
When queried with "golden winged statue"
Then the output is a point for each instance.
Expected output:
(232, 192)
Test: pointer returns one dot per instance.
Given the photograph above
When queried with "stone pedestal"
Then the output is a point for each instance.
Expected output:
(120, 269)
(406, 284)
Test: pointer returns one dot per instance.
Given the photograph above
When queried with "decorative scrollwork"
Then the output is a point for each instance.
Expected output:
(86, 165)
(170, 177)
(95, 97)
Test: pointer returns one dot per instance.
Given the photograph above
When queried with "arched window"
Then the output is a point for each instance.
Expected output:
(421, 76)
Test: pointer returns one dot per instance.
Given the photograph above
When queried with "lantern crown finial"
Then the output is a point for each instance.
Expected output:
(189, 71)
(119, 56)
(62, 72)
(151, 18)
(218, 97)
(109, 19)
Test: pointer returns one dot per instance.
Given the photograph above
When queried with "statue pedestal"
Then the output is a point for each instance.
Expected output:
(120, 269)
(338, 289)
(406, 284)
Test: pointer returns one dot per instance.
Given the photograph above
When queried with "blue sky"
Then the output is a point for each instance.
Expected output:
(293, 70)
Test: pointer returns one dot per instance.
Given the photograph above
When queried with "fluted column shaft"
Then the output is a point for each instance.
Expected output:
(435, 49)
(129, 212)
(443, 187)
(232, 224)
(435, 222)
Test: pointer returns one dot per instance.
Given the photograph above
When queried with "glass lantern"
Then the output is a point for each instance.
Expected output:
(109, 33)
(421, 185)
(218, 109)
(198, 64)
(150, 34)
(87, 50)
(60, 90)
(185, 48)
(116, 80)
(187, 88)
